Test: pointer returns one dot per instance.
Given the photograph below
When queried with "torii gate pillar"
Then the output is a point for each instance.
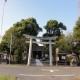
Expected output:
(50, 52)
(30, 51)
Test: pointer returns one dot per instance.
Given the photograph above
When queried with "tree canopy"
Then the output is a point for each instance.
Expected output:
(53, 28)
(65, 44)
(76, 30)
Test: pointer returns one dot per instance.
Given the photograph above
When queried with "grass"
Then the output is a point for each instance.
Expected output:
(7, 77)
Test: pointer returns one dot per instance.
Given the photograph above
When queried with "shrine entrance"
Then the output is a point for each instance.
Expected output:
(38, 53)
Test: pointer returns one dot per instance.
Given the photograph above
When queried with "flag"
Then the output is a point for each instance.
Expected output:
(5, 0)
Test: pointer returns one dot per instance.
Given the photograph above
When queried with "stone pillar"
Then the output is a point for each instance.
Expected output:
(57, 51)
(30, 51)
(50, 52)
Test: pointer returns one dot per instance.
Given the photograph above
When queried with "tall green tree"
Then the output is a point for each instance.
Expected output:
(76, 30)
(76, 34)
(25, 26)
(53, 28)
(65, 43)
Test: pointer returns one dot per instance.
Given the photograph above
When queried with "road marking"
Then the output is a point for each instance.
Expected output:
(51, 70)
(69, 75)
(54, 70)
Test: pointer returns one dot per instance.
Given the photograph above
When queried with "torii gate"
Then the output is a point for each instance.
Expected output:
(40, 38)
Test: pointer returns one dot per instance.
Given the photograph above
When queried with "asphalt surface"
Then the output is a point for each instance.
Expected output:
(41, 73)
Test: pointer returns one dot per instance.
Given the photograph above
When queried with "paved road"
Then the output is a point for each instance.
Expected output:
(40, 73)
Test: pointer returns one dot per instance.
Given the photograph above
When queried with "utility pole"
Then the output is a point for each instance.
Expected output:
(10, 48)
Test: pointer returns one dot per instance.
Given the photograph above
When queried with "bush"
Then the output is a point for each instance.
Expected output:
(18, 56)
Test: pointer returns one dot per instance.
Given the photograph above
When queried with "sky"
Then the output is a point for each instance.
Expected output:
(65, 11)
